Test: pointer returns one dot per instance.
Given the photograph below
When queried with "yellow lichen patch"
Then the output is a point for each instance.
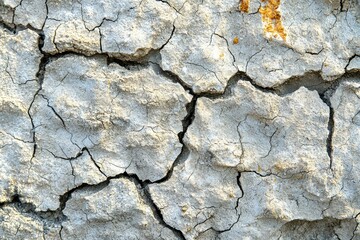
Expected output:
(184, 208)
(244, 5)
(271, 18)
(236, 40)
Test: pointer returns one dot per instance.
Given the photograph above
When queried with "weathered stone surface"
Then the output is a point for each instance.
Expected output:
(19, 63)
(95, 120)
(15, 224)
(278, 146)
(198, 53)
(128, 29)
(31, 12)
(6, 13)
(24, 12)
(354, 65)
(346, 105)
(153, 119)
(323, 229)
(118, 211)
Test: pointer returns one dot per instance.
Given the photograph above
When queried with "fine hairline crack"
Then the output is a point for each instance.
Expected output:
(57, 216)
(239, 76)
(186, 122)
(190, 107)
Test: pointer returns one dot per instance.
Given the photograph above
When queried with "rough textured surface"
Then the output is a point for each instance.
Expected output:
(250, 140)
(130, 29)
(148, 119)
(118, 211)
(95, 120)
(19, 62)
(17, 224)
(213, 40)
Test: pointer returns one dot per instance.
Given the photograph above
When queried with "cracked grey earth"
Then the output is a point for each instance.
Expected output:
(180, 119)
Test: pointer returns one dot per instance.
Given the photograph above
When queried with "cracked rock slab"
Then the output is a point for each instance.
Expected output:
(17, 224)
(246, 141)
(24, 12)
(118, 211)
(19, 63)
(177, 119)
(197, 51)
(354, 65)
(129, 29)
(346, 104)
(104, 118)
(323, 229)
(213, 40)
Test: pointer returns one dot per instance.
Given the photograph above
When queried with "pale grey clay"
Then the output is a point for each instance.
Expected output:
(180, 119)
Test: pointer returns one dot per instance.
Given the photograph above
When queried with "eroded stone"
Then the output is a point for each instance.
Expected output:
(24, 12)
(196, 55)
(345, 148)
(268, 154)
(95, 120)
(16, 223)
(129, 29)
(118, 211)
(91, 135)
(354, 65)
(19, 63)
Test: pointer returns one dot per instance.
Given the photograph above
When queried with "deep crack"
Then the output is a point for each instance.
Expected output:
(186, 122)
(331, 126)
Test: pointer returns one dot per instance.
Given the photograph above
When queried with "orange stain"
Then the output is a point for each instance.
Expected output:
(236, 40)
(244, 5)
(271, 17)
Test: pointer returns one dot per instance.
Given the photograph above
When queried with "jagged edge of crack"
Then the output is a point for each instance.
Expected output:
(99, 186)
(128, 64)
(40, 78)
(238, 181)
(15, 28)
(288, 87)
(190, 107)
(186, 122)
(8, 27)
(47, 58)
(331, 122)
(189, 118)
(155, 209)
(231, 83)
(57, 217)
(121, 59)
(50, 217)
(144, 62)
(331, 126)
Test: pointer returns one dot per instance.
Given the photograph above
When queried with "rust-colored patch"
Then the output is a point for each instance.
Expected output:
(270, 16)
(236, 40)
(244, 5)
